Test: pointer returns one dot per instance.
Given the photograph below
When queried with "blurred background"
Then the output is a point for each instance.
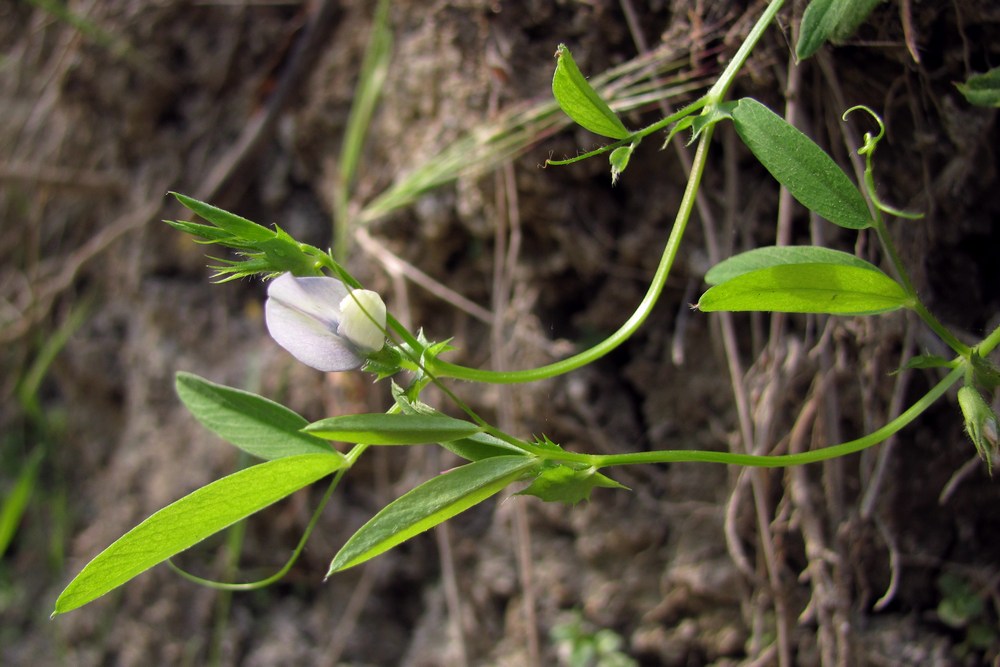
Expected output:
(883, 558)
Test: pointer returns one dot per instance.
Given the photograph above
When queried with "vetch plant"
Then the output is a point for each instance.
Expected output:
(323, 316)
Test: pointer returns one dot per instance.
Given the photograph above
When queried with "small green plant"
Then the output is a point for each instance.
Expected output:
(964, 609)
(325, 318)
(579, 645)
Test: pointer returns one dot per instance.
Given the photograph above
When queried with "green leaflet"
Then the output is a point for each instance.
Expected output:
(253, 423)
(191, 519)
(810, 175)
(392, 429)
(830, 20)
(480, 446)
(982, 90)
(580, 101)
(429, 504)
(834, 289)
(239, 227)
(762, 258)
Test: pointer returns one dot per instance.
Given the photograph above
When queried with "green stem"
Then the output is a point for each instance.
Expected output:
(989, 343)
(442, 369)
(721, 87)
(943, 333)
(759, 461)
(918, 307)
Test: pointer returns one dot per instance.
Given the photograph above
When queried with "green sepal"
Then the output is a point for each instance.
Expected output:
(392, 429)
(578, 99)
(981, 423)
(569, 485)
(385, 363)
(795, 161)
(430, 504)
(984, 372)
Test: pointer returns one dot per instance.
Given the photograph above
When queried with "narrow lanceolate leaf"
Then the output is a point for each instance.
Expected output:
(253, 423)
(762, 258)
(480, 446)
(429, 504)
(392, 429)
(810, 175)
(983, 90)
(580, 101)
(234, 224)
(834, 20)
(808, 288)
(191, 519)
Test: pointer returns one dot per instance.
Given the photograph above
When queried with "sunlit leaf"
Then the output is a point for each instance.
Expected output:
(431, 503)
(808, 288)
(810, 175)
(762, 258)
(191, 519)
(392, 429)
(580, 101)
(253, 423)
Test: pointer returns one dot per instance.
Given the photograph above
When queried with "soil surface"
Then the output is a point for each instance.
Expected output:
(888, 557)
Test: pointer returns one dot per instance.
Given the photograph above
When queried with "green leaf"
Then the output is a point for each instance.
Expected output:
(568, 485)
(431, 503)
(834, 289)
(16, 498)
(234, 224)
(253, 423)
(191, 519)
(392, 429)
(982, 90)
(810, 175)
(580, 101)
(834, 20)
(761, 258)
(474, 448)
(480, 446)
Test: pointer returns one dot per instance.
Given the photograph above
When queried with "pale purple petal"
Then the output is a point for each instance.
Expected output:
(317, 297)
(301, 320)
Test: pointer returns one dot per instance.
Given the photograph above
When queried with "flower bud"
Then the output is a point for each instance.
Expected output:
(980, 423)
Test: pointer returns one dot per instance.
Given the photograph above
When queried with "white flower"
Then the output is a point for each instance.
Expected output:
(324, 324)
